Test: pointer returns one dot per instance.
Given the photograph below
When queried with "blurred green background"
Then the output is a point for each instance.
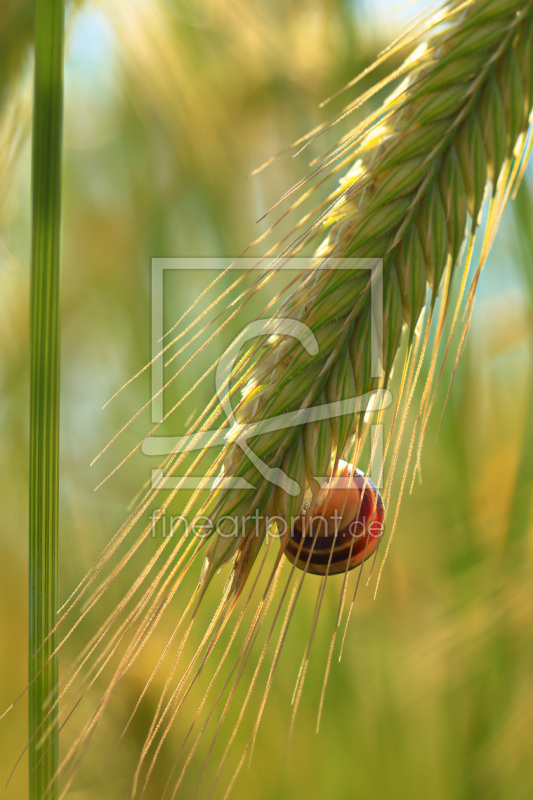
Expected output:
(169, 105)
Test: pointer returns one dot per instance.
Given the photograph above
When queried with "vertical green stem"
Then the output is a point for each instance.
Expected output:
(44, 396)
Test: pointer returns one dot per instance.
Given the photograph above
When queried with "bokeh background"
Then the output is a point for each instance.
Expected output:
(169, 106)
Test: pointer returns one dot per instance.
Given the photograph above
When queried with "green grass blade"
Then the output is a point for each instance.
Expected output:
(44, 396)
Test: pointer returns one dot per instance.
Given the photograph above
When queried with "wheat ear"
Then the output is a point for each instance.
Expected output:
(423, 165)
(424, 162)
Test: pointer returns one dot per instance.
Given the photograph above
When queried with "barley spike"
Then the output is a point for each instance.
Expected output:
(423, 166)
